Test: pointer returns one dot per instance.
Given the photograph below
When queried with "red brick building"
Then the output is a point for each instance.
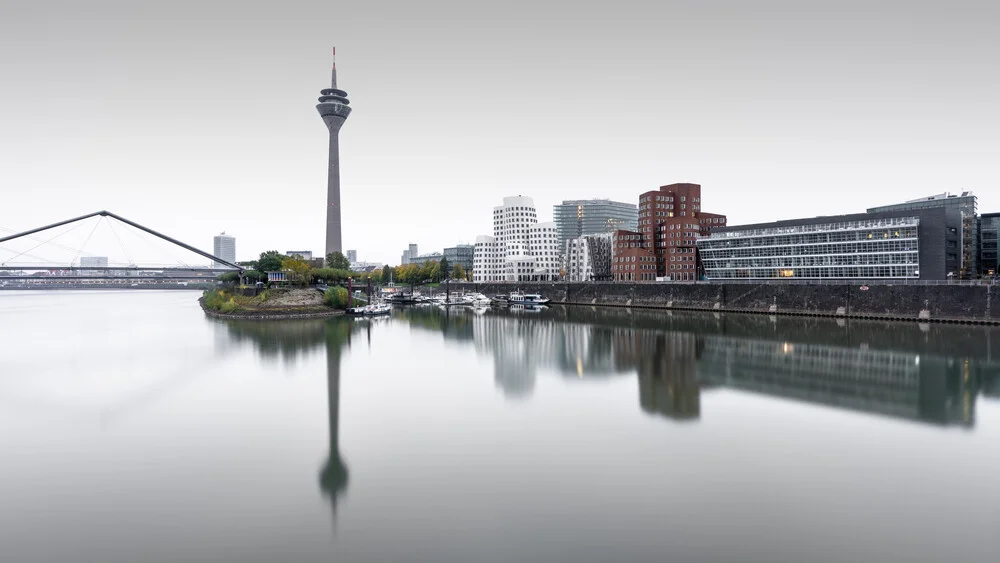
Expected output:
(670, 221)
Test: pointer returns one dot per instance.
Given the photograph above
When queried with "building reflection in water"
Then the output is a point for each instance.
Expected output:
(293, 339)
(899, 370)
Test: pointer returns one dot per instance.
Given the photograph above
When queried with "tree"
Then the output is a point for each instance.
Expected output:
(386, 273)
(445, 267)
(270, 261)
(337, 261)
(458, 272)
(299, 269)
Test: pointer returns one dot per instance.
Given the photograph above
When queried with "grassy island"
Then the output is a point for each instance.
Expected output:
(274, 303)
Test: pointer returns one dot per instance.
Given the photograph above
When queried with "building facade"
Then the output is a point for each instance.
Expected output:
(461, 255)
(670, 222)
(306, 255)
(521, 248)
(351, 255)
(988, 226)
(919, 244)
(421, 260)
(410, 252)
(631, 258)
(577, 218)
(588, 258)
(224, 247)
(966, 205)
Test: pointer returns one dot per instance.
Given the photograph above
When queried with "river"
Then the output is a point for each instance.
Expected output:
(133, 428)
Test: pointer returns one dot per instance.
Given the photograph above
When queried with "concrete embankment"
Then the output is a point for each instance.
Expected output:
(924, 303)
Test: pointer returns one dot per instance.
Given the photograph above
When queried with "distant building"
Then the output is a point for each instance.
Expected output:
(306, 255)
(903, 244)
(93, 261)
(408, 254)
(352, 256)
(420, 260)
(964, 204)
(588, 258)
(362, 266)
(521, 248)
(461, 255)
(989, 224)
(224, 247)
(577, 218)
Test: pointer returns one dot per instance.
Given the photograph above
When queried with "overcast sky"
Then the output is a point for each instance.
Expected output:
(195, 117)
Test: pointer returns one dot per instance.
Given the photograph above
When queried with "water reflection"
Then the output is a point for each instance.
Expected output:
(928, 373)
(293, 339)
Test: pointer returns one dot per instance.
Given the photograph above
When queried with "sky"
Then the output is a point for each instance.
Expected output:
(196, 117)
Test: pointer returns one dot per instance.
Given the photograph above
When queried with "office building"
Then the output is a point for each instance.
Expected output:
(95, 261)
(966, 205)
(577, 218)
(410, 252)
(334, 108)
(904, 244)
(588, 258)
(352, 256)
(306, 255)
(988, 226)
(421, 260)
(461, 255)
(224, 247)
(521, 248)
(663, 248)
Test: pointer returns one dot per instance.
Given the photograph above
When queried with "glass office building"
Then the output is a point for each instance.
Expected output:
(988, 226)
(578, 218)
(900, 245)
(966, 206)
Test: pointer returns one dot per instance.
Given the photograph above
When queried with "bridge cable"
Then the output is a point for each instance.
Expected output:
(154, 247)
(86, 241)
(120, 243)
(4, 263)
(56, 244)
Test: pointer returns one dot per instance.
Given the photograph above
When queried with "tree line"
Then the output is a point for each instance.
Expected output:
(338, 270)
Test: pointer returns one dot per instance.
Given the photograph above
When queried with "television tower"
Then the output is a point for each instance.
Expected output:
(334, 108)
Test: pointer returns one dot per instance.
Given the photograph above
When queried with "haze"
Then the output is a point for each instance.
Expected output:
(194, 117)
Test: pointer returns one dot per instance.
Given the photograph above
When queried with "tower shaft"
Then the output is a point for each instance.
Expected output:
(334, 108)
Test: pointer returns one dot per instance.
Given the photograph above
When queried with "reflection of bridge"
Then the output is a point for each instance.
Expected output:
(43, 275)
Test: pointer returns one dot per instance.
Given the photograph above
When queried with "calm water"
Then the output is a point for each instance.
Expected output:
(132, 428)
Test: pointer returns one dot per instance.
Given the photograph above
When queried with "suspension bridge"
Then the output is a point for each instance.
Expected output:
(21, 267)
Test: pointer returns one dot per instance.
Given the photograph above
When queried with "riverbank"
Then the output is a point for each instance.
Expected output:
(884, 301)
(269, 304)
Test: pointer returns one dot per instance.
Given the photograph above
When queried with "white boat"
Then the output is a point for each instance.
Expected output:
(377, 309)
(521, 298)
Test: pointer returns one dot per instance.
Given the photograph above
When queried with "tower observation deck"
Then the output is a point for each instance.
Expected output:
(333, 107)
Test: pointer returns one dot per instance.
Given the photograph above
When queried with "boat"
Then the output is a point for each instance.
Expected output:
(377, 309)
(521, 298)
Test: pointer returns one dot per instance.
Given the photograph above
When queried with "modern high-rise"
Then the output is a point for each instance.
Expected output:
(352, 256)
(461, 255)
(224, 247)
(670, 222)
(409, 254)
(577, 218)
(334, 108)
(965, 205)
(521, 248)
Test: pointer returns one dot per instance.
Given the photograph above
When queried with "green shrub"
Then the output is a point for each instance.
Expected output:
(229, 306)
(337, 297)
(214, 298)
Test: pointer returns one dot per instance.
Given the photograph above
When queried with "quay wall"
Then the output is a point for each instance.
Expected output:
(933, 303)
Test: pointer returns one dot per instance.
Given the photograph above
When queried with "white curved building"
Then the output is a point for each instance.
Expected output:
(521, 248)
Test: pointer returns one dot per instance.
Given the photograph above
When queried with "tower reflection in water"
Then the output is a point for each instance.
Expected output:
(930, 374)
(291, 339)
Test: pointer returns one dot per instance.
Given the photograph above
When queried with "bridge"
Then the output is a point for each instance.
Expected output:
(46, 273)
